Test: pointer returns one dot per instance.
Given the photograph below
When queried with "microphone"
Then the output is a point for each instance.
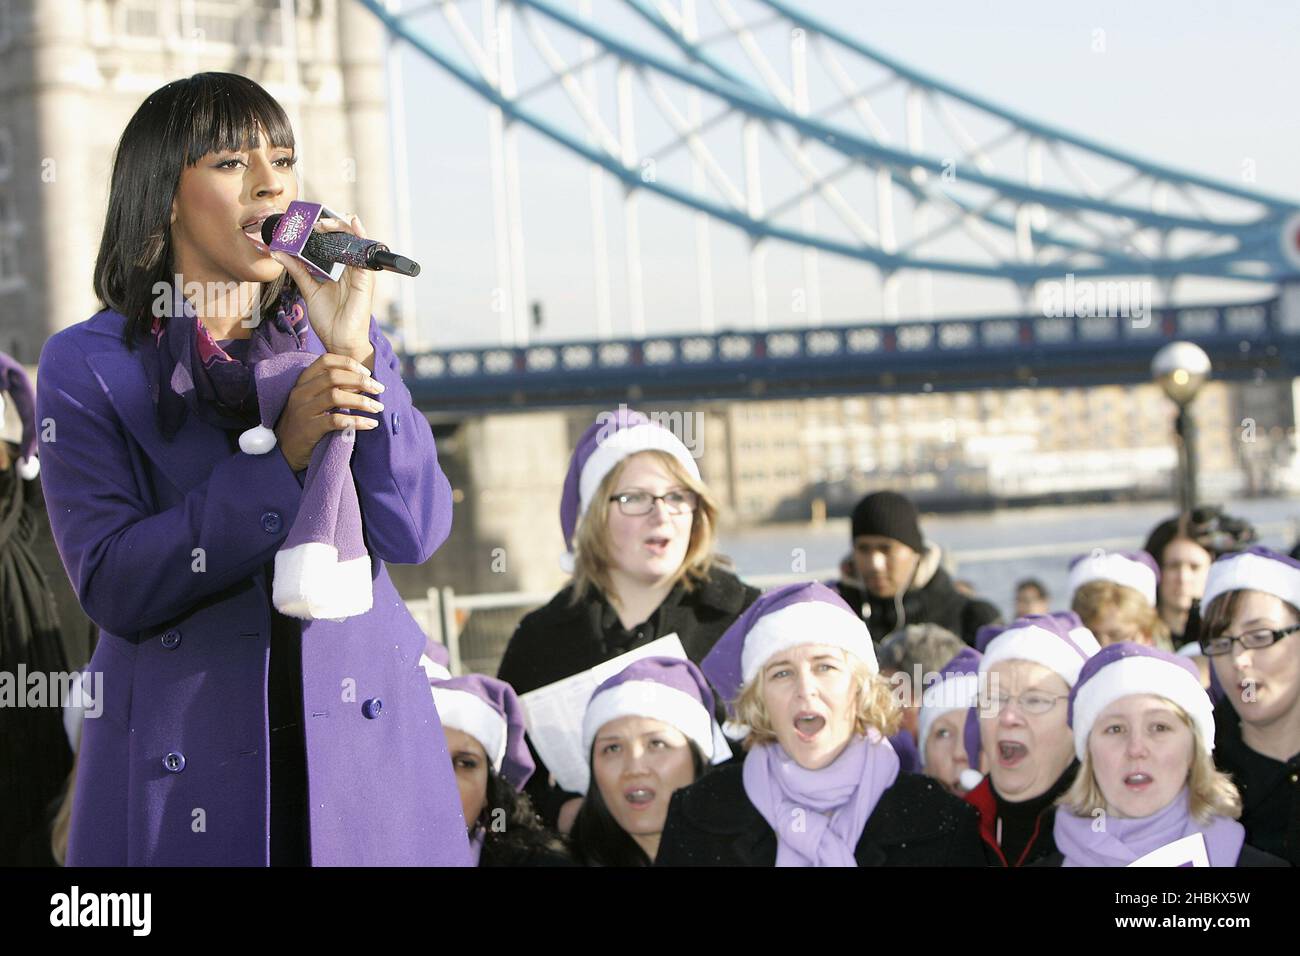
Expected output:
(327, 248)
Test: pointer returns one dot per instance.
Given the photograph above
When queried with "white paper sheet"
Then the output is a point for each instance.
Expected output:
(1189, 851)
(554, 713)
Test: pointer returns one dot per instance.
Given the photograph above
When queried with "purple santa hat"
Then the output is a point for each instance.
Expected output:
(1120, 670)
(1057, 641)
(322, 570)
(955, 688)
(488, 710)
(1256, 569)
(436, 659)
(1132, 569)
(670, 689)
(614, 435)
(18, 415)
(785, 617)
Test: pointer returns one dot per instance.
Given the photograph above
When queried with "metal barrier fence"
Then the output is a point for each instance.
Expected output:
(476, 627)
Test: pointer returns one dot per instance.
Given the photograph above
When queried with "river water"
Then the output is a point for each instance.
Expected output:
(994, 550)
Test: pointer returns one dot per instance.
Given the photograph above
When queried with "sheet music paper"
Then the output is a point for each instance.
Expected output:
(1189, 851)
(553, 714)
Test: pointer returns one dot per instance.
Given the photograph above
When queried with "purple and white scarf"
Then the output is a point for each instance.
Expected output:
(201, 378)
(819, 815)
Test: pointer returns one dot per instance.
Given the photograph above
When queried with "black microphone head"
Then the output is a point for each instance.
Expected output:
(268, 227)
(381, 257)
(407, 267)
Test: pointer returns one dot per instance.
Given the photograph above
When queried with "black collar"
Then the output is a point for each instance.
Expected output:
(1231, 749)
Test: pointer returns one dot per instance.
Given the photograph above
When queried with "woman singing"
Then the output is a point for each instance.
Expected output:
(220, 715)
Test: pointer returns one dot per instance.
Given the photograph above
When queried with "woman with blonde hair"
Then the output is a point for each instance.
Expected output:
(820, 784)
(1114, 594)
(639, 525)
(1147, 788)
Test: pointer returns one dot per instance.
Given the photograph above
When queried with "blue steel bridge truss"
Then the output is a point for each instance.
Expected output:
(1244, 342)
(789, 140)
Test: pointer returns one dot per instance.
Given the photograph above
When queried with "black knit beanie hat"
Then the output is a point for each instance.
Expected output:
(890, 515)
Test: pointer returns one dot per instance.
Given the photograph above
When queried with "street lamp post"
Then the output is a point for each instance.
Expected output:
(1181, 368)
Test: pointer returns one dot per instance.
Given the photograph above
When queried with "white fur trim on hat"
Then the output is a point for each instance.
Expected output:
(1141, 675)
(807, 622)
(1252, 572)
(1116, 568)
(954, 692)
(647, 698)
(433, 669)
(313, 584)
(1040, 646)
(622, 444)
(471, 714)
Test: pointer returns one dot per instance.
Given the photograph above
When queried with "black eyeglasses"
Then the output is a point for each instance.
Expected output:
(1030, 702)
(634, 504)
(1251, 640)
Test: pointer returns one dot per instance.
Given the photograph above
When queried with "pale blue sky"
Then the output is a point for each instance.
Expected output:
(1201, 85)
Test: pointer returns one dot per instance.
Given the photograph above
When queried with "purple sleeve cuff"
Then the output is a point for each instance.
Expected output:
(405, 497)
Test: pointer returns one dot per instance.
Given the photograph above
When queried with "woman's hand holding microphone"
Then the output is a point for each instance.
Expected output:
(339, 312)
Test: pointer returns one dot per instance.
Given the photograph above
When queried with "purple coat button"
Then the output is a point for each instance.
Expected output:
(272, 522)
(372, 708)
(174, 762)
(171, 639)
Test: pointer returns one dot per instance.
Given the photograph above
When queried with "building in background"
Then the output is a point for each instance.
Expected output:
(73, 71)
(793, 460)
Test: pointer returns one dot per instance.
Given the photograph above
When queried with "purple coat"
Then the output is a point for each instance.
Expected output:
(174, 771)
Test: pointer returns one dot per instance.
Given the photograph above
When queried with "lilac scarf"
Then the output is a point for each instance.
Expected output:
(201, 378)
(818, 815)
(1127, 839)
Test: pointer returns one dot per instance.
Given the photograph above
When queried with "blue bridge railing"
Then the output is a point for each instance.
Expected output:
(1243, 340)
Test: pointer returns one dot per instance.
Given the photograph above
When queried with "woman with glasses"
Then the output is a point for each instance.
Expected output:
(1147, 790)
(1249, 634)
(820, 784)
(1025, 678)
(638, 523)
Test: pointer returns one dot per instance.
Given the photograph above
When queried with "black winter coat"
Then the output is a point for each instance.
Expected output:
(916, 823)
(563, 639)
(1270, 789)
(516, 855)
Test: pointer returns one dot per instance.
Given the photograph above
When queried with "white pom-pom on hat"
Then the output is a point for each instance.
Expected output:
(29, 468)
